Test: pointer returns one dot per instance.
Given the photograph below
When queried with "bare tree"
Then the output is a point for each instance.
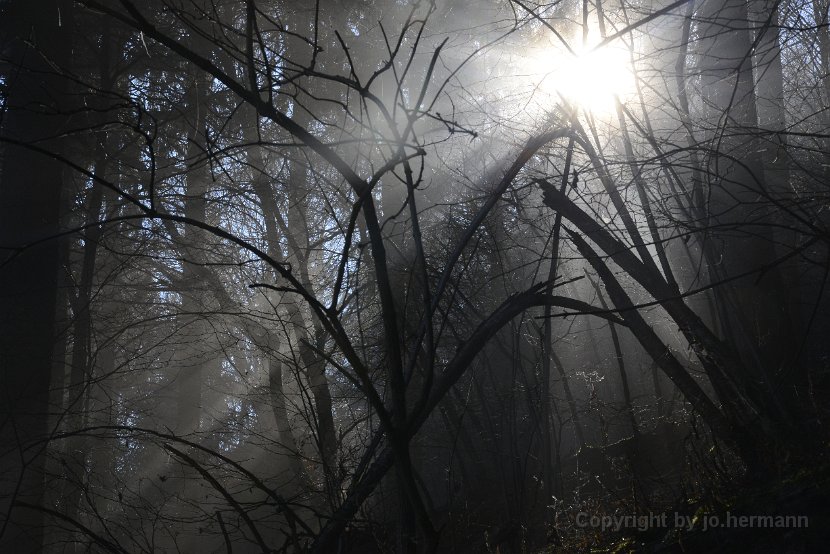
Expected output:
(336, 272)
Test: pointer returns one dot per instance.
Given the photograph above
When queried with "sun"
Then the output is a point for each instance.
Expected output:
(591, 78)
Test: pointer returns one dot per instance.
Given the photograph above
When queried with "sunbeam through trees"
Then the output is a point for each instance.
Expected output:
(414, 276)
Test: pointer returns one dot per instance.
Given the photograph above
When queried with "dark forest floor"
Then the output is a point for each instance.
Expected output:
(726, 525)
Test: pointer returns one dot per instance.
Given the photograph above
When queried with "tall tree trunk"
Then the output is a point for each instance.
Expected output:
(82, 351)
(310, 338)
(740, 201)
(615, 339)
(821, 17)
(296, 233)
(772, 122)
(267, 341)
(547, 341)
(30, 192)
(194, 354)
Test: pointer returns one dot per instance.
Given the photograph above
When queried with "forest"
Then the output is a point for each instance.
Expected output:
(415, 276)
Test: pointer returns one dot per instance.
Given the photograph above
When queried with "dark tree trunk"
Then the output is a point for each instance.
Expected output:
(30, 191)
(194, 354)
(746, 186)
(739, 193)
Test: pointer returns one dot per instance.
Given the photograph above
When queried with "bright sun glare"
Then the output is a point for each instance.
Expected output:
(588, 78)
